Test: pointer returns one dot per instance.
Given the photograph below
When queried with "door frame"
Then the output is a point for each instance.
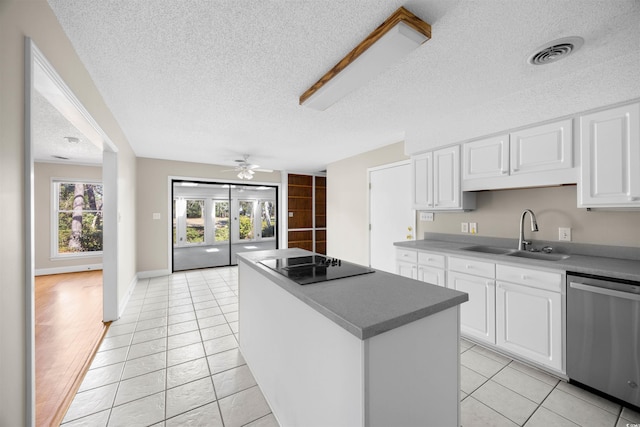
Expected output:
(36, 66)
(172, 178)
(378, 168)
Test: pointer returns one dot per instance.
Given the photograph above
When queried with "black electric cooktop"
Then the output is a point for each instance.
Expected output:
(308, 269)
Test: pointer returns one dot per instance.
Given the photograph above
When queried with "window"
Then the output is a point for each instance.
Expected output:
(77, 222)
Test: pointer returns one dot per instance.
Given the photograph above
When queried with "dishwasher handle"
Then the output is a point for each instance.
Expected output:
(605, 291)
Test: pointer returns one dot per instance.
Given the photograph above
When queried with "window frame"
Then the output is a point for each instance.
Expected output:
(55, 204)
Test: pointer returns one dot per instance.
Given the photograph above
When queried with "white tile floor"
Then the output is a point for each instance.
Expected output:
(173, 360)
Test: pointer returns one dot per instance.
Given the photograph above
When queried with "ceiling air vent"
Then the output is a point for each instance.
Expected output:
(555, 50)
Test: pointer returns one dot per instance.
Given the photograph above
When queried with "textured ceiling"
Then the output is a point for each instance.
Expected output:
(207, 81)
(50, 136)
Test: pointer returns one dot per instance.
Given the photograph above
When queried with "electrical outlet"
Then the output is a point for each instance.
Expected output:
(156, 215)
(473, 227)
(426, 216)
(464, 227)
(564, 234)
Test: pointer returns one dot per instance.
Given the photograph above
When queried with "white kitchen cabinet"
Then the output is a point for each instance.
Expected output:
(407, 263)
(537, 156)
(529, 314)
(477, 316)
(422, 180)
(407, 269)
(610, 157)
(431, 268)
(486, 158)
(424, 266)
(542, 148)
(436, 181)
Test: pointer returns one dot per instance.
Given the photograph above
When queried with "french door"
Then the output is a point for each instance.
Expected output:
(213, 222)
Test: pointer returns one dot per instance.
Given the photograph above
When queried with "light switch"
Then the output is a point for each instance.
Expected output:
(156, 215)
(290, 214)
(426, 216)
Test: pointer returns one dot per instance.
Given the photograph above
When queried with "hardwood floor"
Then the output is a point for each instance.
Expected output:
(69, 327)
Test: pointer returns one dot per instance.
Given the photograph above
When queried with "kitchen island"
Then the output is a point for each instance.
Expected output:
(370, 350)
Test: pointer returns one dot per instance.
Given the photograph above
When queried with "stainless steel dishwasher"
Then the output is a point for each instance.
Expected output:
(603, 335)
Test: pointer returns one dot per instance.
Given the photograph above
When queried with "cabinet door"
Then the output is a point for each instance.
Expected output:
(542, 148)
(446, 178)
(435, 276)
(529, 323)
(422, 181)
(485, 158)
(477, 316)
(407, 269)
(610, 155)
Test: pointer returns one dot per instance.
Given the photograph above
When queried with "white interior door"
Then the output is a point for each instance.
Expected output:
(391, 216)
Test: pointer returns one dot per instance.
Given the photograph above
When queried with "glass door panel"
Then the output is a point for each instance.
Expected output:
(246, 220)
(268, 213)
(211, 222)
(195, 221)
(221, 220)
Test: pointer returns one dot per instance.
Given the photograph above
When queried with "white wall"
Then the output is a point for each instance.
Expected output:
(348, 203)
(35, 19)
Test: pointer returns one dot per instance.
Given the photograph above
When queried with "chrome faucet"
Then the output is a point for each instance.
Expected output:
(522, 244)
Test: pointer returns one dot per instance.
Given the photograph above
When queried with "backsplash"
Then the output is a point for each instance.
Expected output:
(498, 215)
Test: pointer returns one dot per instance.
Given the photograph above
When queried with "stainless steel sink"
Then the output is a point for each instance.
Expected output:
(516, 253)
(488, 250)
(538, 255)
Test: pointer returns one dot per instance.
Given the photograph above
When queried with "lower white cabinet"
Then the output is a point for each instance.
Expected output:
(407, 269)
(431, 268)
(477, 316)
(424, 266)
(529, 314)
(511, 308)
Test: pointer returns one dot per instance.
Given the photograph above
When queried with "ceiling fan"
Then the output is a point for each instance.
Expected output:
(245, 169)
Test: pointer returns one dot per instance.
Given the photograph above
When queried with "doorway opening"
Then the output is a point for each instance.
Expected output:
(213, 221)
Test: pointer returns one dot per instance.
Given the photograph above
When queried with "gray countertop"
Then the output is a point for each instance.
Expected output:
(627, 269)
(365, 305)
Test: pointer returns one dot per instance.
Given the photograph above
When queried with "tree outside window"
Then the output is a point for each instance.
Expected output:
(79, 210)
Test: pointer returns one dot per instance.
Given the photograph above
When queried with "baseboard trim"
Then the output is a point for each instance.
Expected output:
(153, 273)
(125, 300)
(68, 269)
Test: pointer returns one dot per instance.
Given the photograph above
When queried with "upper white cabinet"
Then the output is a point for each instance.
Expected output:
(610, 157)
(542, 148)
(436, 181)
(486, 158)
(537, 156)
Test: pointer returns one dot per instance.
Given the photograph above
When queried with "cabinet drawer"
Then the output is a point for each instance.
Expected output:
(548, 280)
(430, 259)
(407, 255)
(472, 266)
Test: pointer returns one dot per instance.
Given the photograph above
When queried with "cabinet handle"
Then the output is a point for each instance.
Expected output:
(525, 277)
(468, 266)
(503, 172)
(633, 198)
